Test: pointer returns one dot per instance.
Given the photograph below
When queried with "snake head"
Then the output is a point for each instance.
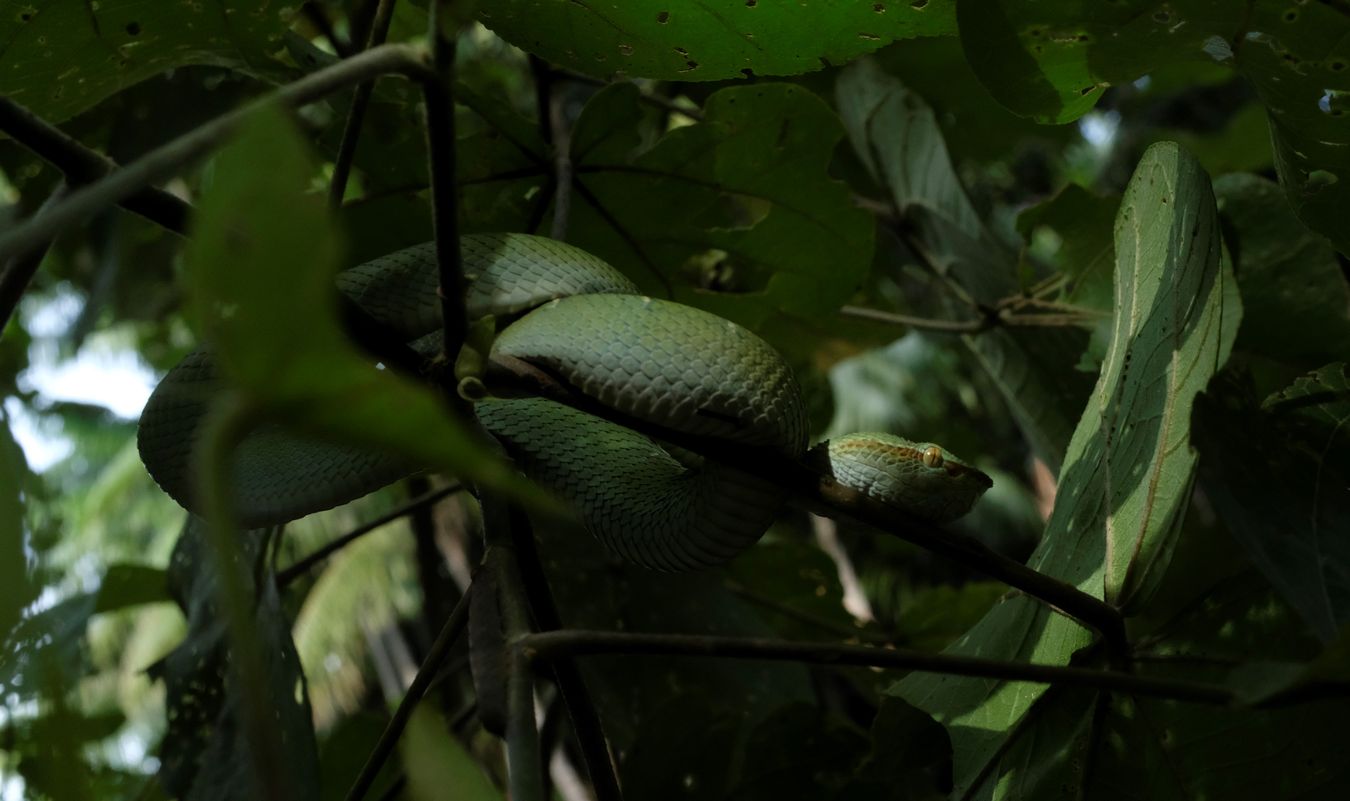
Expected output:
(919, 478)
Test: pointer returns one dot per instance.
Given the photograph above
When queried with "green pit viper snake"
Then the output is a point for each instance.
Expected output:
(579, 319)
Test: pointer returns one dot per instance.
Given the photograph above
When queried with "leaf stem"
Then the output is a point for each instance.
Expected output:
(17, 274)
(553, 126)
(449, 633)
(302, 565)
(356, 113)
(577, 642)
(162, 162)
(230, 419)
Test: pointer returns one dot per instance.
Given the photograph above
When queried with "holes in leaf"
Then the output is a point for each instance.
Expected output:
(747, 72)
(133, 28)
(751, 3)
(662, 17)
(879, 8)
(1290, 15)
(1086, 90)
(682, 51)
(1336, 65)
(1162, 17)
(918, 5)
(626, 49)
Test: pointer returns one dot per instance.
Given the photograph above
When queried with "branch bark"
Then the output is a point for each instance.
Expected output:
(356, 114)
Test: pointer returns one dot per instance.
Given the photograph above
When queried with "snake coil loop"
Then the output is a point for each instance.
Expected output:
(580, 320)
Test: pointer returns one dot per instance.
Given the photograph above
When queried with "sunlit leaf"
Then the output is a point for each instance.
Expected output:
(1128, 471)
(439, 769)
(689, 40)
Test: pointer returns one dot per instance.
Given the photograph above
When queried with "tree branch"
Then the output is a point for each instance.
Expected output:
(17, 274)
(81, 165)
(450, 632)
(302, 565)
(921, 323)
(162, 162)
(576, 642)
(553, 126)
(356, 114)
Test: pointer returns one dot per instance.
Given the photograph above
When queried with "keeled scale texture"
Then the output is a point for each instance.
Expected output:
(890, 469)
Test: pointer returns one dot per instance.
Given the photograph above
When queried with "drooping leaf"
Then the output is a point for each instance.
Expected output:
(736, 214)
(1288, 506)
(899, 142)
(63, 56)
(1126, 479)
(690, 40)
(1296, 300)
(206, 753)
(260, 265)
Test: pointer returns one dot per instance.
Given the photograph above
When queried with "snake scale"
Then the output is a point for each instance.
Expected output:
(578, 319)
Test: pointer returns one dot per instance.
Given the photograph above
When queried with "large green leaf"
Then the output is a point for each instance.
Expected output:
(737, 214)
(1286, 273)
(1287, 508)
(1050, 60)
(898, 140)
(438, 767)
(260, 267)
(1126, 479)
(205, 754)
(62, 56)
(693, 40)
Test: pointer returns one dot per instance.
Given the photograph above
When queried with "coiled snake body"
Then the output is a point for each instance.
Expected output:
(583, 322)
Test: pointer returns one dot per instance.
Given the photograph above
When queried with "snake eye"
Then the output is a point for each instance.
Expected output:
(932, 456)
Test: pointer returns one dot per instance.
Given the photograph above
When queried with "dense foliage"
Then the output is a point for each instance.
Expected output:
(1099, 252)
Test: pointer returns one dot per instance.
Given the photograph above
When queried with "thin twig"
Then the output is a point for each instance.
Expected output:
(581, 708)
(305, 563)
(356, 114)
(921, 323)
(164, 161)
(450, 632)
(81, 165)
(576, 642)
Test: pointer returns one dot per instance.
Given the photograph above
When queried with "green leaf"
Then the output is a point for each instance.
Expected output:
(898, 140)
(260, 269)
(1285, 273)
(1048, 61)
(1287, 508)
(1127, 474)
(63, 56)
(439, 769)
(690, 40)
(205, 754)
(127, 585)
(737, 214)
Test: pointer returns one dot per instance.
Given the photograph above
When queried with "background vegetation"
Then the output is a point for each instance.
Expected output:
(928, 206)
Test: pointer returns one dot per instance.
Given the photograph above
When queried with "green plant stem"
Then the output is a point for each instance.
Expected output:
(555, 131)
(164, 161)
(305, 563)
(229, 420)
(445, 640)
(921, 323)
(438, 92)
(356, 113)
(576, 642)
